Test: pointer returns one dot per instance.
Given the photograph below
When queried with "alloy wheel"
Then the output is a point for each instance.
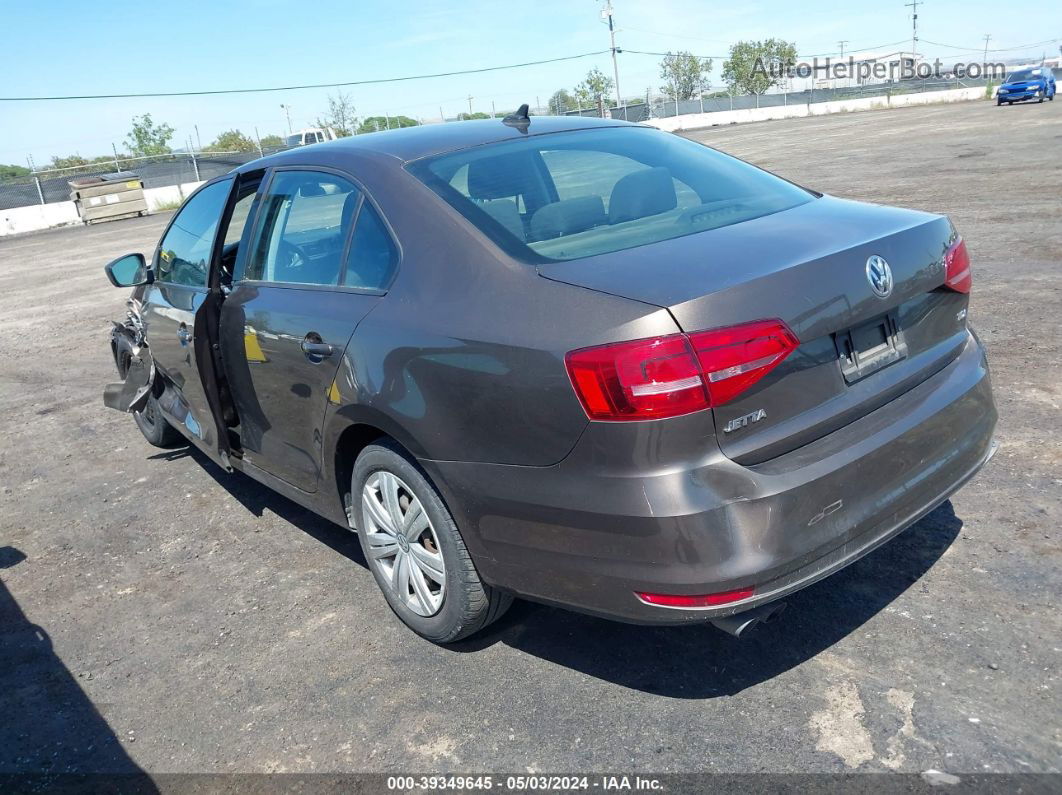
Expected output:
(402, 543)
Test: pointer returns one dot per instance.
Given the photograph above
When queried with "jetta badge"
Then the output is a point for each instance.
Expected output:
(741, 422)
(879, 274)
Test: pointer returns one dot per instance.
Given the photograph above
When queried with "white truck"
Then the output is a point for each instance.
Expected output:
(311, 135)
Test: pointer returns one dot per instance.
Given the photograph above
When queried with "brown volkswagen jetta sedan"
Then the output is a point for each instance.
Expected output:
(579, 361)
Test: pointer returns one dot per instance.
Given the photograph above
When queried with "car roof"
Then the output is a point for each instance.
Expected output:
(413, 143)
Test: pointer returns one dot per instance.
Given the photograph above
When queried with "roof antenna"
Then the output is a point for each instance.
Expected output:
(519, 118)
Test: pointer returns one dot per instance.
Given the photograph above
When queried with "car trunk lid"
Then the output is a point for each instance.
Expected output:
(807, 266)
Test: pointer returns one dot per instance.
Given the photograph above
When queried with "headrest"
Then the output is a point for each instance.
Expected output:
(500, 177)
(568, 217)
(311, 188)
(642, 193)
(504, 211)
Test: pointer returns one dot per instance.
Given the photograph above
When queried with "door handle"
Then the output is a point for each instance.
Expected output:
(315, 348)
(184, 336)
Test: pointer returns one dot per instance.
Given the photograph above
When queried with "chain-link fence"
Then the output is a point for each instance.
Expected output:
(663, 108)
(46, 186)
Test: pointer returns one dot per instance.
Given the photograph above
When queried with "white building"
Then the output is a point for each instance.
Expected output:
(854, 69)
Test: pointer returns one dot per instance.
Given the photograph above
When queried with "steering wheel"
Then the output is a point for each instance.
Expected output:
(291, 259)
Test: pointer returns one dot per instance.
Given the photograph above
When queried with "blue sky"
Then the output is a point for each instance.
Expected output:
(161, 46)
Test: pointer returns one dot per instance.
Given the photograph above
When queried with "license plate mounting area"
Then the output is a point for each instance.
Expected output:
(865, 349)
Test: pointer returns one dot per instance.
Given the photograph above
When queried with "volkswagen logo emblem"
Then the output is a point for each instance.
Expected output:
(879, 274)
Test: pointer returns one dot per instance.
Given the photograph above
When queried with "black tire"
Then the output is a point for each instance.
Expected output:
(149, 420)
(468, 604)
(999, 102)
(156, 429)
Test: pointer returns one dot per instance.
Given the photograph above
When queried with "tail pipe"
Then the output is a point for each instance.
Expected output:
(741, 624)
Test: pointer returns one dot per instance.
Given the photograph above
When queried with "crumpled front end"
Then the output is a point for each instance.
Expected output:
(134, 361)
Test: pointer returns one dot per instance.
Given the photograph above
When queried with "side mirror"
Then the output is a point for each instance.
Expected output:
(129, 271)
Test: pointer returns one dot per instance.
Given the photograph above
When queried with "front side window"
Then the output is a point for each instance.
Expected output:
(184, 253)
(305, 217)
(569, 195)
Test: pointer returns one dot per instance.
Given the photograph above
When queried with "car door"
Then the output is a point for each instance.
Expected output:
(171, 305)
(319, 259)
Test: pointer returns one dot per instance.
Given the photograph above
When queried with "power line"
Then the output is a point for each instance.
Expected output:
(996, 49)
(308, 85)
(802, 55)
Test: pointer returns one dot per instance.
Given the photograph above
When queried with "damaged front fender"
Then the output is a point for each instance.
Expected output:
(135, 364)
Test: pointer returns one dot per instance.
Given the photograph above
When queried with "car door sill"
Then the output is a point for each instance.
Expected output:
(313, 501)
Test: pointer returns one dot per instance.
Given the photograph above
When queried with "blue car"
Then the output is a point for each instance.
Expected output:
(1037, 83)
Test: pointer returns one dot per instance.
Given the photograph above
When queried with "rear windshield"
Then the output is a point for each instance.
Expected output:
(1021, 77)
(564, 196)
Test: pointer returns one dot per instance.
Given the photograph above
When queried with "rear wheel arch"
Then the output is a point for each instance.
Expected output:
(352, 440)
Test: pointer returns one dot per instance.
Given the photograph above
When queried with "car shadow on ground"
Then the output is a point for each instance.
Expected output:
(701, 661)
(680, 662)
(258, 499)
(50, 733)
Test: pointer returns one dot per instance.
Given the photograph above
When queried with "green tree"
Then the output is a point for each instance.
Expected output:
(684, 75)
(340, 116)
(12, 172)
(374, 123)
(84, 165)
(596, 85)
(561, 101)
(477, 115)
(233, 141)
(148, 138)
(755, 66)
(69, 161)
(272, 140)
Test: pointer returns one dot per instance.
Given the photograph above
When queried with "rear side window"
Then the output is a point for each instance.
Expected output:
(305, 218)
(570, 195)
(372, 252)
(184, 253)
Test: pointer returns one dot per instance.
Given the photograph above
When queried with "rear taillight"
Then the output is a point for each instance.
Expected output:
(677, 374)
(733, 359)
(957, 273)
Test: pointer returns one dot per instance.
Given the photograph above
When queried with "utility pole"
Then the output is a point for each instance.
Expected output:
(114, 149)
(287, 114)
(988, 37)
(198, 141)
(913, 5)
(606, 14)
(470, 98)
(842, 42)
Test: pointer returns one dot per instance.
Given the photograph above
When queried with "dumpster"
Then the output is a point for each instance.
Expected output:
(108, 197)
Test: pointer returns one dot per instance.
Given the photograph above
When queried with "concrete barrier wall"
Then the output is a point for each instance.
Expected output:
(693, 121)
(37, 216)
(46, 216)
(159, 197)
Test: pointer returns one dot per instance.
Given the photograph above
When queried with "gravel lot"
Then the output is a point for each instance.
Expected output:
(158, 614)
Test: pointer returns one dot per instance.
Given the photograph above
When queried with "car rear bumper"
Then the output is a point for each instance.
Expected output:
(614, 518)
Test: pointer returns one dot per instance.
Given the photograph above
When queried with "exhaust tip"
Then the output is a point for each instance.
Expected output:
(741, 624)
